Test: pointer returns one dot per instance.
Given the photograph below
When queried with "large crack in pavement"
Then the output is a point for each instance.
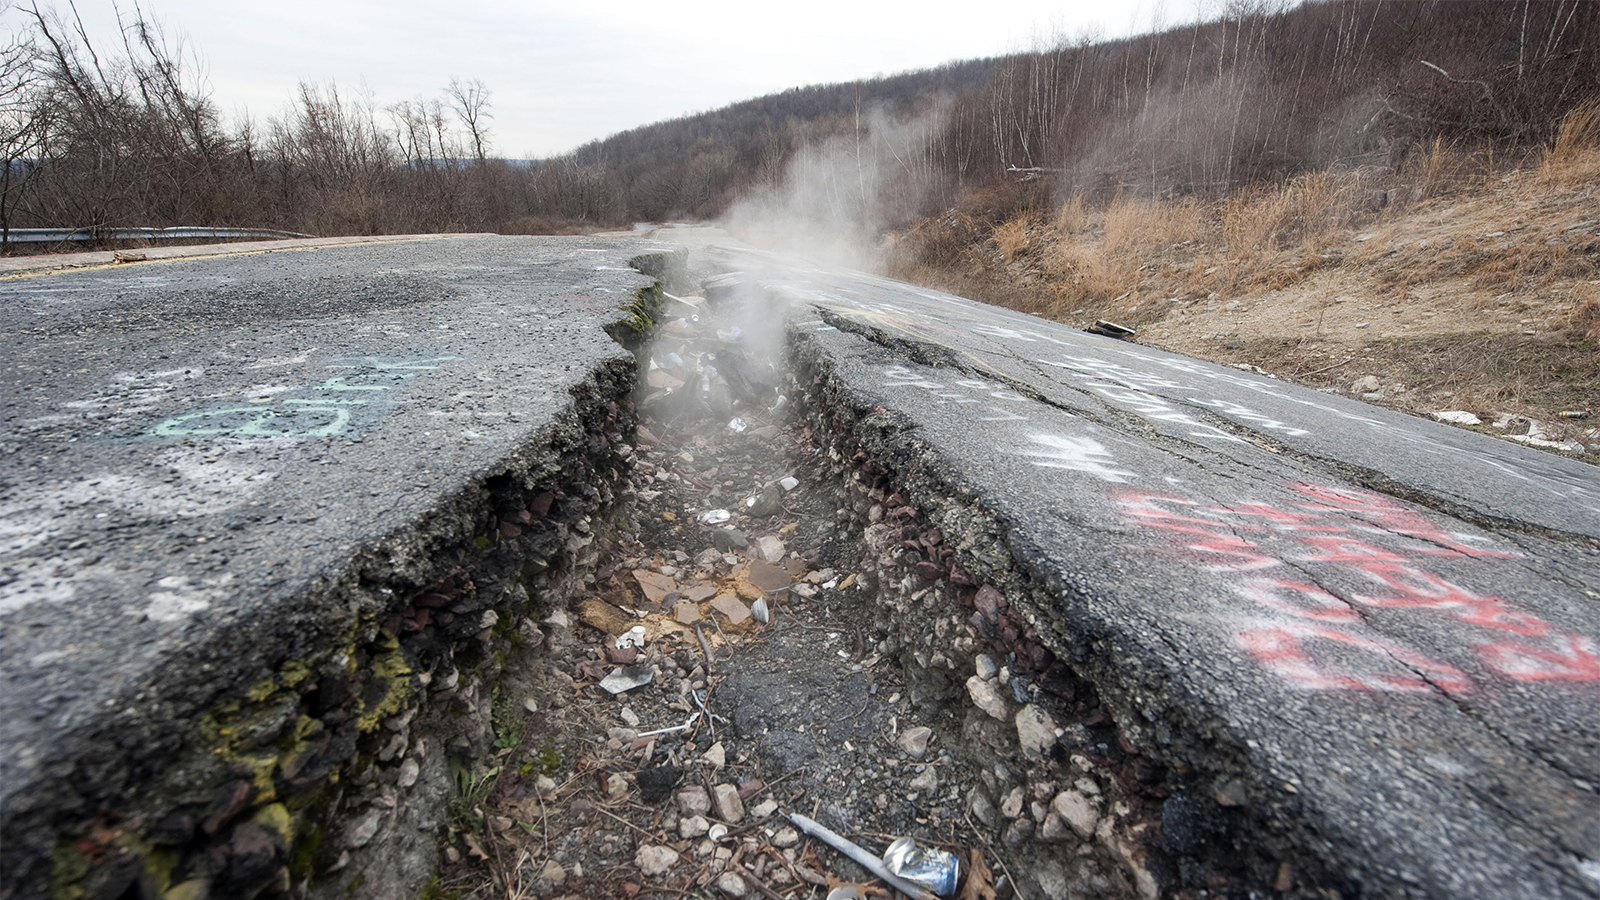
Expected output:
(894, 689)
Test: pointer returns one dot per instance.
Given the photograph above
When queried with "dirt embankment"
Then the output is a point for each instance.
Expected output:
(1453, 284)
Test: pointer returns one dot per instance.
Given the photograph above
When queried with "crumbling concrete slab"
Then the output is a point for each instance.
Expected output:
(270, 523)
(1375, 637)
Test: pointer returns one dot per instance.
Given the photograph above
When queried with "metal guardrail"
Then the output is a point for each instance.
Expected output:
(65, 235)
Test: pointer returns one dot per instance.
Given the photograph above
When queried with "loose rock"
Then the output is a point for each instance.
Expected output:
(987, 696)
(694, 801)
(1036, 731)
(914, 741)
(726, 803)
(654, 860)
(1076, 810)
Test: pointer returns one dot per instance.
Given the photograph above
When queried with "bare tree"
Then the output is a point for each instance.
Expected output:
(469, 100)
(24, 117)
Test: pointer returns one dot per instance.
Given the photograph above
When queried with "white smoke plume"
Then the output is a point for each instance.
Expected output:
(838, 197)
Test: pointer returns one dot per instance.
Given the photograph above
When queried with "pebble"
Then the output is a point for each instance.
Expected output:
(1054, 829)
(785, 838)
(694, 801)
(716, 755)
(987, 696)
(686, 612)
(1011, 806)
(927, 782)
(985, 666)
(1018, 833)
(731, 884)
(653, 860)
(982, 809)
(362, 830)
(1036, 731)
(770, 548)
(726, 804)
(1076, 810)
(551, 877)
(409, 770)
(764, 809)
(732, 608)
(914, 741)
(693, 827)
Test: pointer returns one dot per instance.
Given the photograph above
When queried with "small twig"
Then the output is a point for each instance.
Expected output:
(999, 860)
(1321, 370)
(705, 646)
(749, 876)
(602, 811)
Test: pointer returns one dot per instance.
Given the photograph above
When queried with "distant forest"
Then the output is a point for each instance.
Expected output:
(124, 136)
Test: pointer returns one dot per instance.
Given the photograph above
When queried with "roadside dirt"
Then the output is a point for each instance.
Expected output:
(1462, 288)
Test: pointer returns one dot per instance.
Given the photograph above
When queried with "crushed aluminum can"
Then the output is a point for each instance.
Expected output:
(715, 517)
(937, 870)
(737, 424)
(634, 637)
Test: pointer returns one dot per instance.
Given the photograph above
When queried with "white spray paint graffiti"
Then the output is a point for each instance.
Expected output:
(1076, 454)
(320, 410)
(960, 392)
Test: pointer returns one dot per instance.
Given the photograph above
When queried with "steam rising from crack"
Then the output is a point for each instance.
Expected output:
(838, 197)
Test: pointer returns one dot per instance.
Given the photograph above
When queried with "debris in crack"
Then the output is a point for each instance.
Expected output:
(825, 651)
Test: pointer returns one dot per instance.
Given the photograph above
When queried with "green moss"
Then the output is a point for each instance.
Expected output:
(262, 766)
(293, 672)
(68, 866)
(276, 816)
(393, 673)
(160, 863)
(634, 330)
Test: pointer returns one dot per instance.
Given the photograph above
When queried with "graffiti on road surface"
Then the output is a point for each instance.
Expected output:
(317, 410)
(1314, 635)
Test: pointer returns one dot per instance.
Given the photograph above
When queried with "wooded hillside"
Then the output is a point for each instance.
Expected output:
(126, 137)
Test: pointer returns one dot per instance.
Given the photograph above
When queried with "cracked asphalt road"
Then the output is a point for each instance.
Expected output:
(1392, 623)
(193, 447)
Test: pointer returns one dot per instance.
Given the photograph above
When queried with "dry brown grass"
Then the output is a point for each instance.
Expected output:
(1011, 237)
(1574, 157)
(1467, 277)
(1073, 216)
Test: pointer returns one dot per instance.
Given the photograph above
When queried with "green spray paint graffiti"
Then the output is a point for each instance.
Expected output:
(320, 410)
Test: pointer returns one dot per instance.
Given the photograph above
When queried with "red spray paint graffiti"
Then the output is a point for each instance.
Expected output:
(1317, 642)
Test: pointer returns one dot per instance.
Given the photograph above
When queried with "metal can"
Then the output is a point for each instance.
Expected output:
(715, 517)
(937, 870)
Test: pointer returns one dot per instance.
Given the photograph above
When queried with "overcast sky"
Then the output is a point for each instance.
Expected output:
(562, 73)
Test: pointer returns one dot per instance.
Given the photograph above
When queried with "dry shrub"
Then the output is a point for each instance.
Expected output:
(941, 241)
(1134, 223)
(1012, 237)
(1574, 156)
(1074, 216)
(1093, 271)
(1250, 218)
(1583, 323)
